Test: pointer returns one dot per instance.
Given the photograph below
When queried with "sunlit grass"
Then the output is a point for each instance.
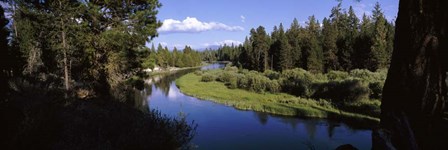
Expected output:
(279, 104)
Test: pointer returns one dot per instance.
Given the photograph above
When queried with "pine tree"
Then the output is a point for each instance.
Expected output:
(390, 41)
(362, 45)
(274, 50)
(285, 60)
(161, 59)
(260, 45)
(293, 38)
(329, 47)
(312, 52)
(378, 54)
(348, 31)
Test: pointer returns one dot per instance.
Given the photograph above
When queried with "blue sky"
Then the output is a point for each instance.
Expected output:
(205, 23)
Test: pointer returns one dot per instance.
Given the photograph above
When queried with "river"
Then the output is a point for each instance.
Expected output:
(227, 128)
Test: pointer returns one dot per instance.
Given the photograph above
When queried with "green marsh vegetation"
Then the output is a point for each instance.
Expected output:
(294, 92)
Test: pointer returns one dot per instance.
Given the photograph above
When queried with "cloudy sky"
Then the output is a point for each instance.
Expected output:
(207, 23)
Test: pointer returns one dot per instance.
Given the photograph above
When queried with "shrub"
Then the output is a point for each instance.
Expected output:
(297, 82)
(231, 69)
(232, 83)
(207, 77)
(273, 86)
(376, 90)
(319, 77)
(199, 72)
(368, 76)
(273, 75)
(257, 82)
(243, 82)
(342, 91)
(337, 75)
(226, 76)
(243, 71)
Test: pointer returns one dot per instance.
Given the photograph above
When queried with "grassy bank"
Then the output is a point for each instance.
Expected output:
(279, 103)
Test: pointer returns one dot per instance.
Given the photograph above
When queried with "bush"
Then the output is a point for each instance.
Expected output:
(232, 83)
(319, 77)
(243, 71)
(207, 77)
(368, 76)
(342, 91)
(231, 69)
(376, 90)
(337, 75)
(226, 76)
(199, 72)
(273, 75)
(297, 82)
(273, 86)
(257, 82)
(243, 82)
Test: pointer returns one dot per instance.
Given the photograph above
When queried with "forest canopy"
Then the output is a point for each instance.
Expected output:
(342, 41)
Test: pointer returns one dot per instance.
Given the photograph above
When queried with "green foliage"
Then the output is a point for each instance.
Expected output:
(231, 69)
(165, 58)
(273, 86)
(80, 43)
(199, 72)
(369, 76)
(257, 82)
(343, 42)
(232, 83)
(226, 76)
(343, 87)
(207, 77)
(378, 54)
(337, 75)
(273, 75)
(349, 90)
(376, 89)
(297, 82)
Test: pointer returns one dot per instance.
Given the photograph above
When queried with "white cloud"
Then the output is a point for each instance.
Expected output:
(193, 25)
(243, 19)
(222, 43)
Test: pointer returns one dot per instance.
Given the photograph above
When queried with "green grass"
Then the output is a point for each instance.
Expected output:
(279, 104)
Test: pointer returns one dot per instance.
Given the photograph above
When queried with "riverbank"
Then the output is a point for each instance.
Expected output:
(278, 104)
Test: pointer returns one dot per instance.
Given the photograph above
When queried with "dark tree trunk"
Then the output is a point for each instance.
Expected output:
(415, 92)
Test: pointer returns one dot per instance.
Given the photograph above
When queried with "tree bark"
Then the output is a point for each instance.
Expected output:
(415, 92)
(64, 46)
(65, 49)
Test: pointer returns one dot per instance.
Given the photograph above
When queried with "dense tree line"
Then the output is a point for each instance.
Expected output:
(92, 44)
(164, 58)
(341, 42)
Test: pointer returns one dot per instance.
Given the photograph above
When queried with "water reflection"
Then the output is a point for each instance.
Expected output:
(223, 127)
(262, 117)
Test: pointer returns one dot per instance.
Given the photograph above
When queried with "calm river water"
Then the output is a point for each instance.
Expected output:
(226, 128)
